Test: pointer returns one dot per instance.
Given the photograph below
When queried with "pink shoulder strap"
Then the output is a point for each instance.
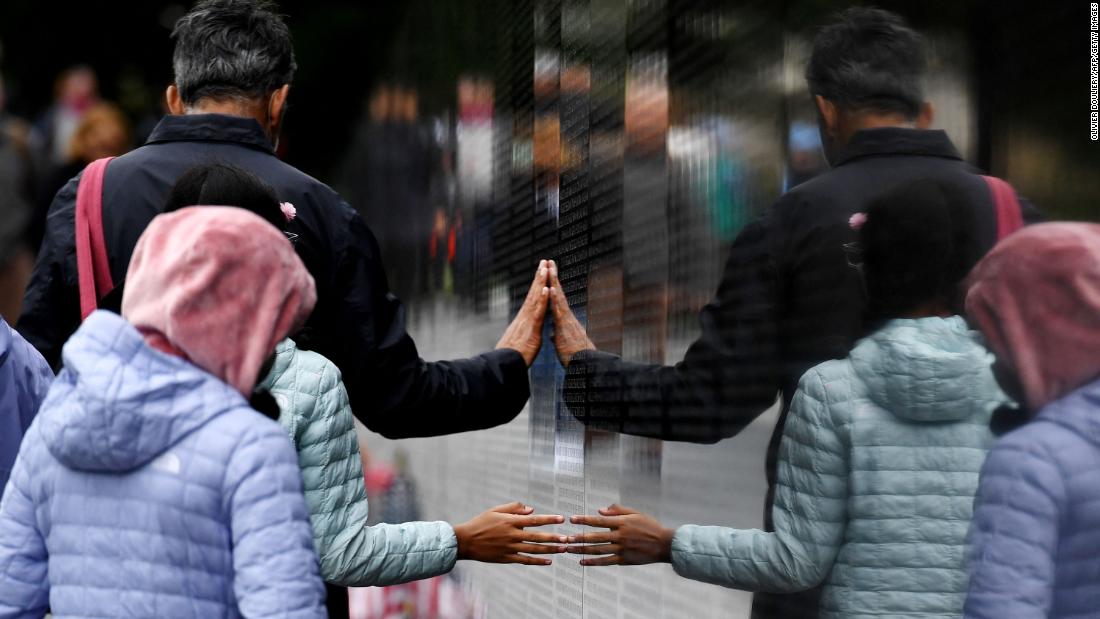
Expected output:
(93, 271)
(1006, 207)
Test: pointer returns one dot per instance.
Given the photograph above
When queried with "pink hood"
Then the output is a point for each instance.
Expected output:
(1036, 297)
(219, 286)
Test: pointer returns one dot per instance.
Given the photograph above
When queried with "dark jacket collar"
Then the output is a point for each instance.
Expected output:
(898, 141)
(211, 128)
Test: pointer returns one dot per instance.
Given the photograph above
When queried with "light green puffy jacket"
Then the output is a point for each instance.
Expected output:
(877, 472)
(315, 412)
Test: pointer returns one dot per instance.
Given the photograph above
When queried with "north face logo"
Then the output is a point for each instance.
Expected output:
(167, 462)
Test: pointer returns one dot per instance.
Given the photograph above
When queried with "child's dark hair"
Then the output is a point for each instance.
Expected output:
(917, 246)
(219, 184)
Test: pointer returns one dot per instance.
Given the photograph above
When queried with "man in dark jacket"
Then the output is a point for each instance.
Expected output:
(789, 298)
(233, 64)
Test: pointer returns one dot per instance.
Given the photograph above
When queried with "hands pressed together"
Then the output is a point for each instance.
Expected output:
(500, 535)
(524, 335)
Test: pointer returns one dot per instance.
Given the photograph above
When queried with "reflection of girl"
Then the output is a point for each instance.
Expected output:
(1036, 524)
(880, 454)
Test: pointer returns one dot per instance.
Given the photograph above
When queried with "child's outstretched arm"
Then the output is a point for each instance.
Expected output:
(275, 566)
(809, 515)
(318, 416)
(24, 584)
(388, 554)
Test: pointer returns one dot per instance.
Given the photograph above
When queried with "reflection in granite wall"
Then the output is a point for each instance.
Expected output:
(629, 141)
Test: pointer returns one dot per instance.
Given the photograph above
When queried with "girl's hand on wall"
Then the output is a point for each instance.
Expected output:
(500, 535)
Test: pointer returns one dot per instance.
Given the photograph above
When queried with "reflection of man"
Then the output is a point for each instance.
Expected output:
(788, 298)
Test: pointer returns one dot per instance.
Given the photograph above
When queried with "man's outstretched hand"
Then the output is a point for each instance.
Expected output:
(524, 335)
(569, 335)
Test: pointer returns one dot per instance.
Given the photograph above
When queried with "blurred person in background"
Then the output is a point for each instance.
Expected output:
(16, 259)
(788, 299)
(393, 162)
(16, 163)
(646, 236)
(393, 489)
(75, 92)
(103, 131)
(1036, 529)
(468, 166)
(880, 454)
(804, 157)
(234, 61)
(17, 237)
(148, 486)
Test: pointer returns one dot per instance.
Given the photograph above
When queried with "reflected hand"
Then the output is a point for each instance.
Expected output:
(524, 335)
(499, 536)
(569, 335)
(633, 538)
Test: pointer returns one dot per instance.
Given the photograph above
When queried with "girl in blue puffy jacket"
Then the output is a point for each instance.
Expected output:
(1036, 533)
(147, 486)
(312, 406)
(880, 453)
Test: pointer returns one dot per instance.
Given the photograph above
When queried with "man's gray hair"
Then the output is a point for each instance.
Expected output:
(868, 58)
(232, 49)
